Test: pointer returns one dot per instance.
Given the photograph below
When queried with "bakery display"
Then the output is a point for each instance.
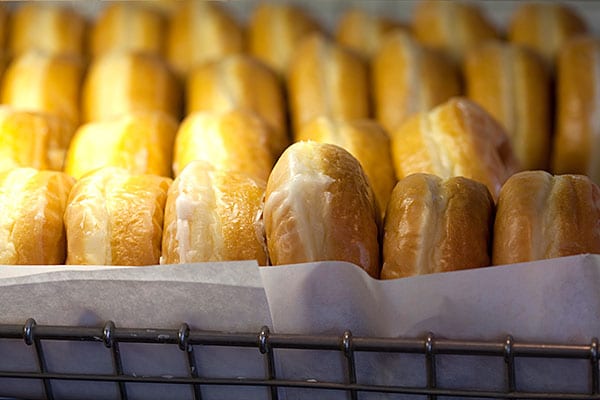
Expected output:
(452, 26)
(31, 223)
(436, 225)
(457, 138)
(51, 28)
(123, 82)
(240, 82)
(326, 79)
(319, 206)
(366, 141)
(408, 78)
(541, 216)
(139, 142)
(33, 139)
(40, 81)
(115, 218)
(577, 135)
(128, 26)
(544, 27)
(213, 215)
(190, 43)
(373, 103)
(234, 140)
(512, 83)
(274, 32)
(363, 32)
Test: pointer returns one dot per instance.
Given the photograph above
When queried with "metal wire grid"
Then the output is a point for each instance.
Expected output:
(266, 342)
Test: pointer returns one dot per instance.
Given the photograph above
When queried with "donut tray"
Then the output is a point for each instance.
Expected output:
(267, 346)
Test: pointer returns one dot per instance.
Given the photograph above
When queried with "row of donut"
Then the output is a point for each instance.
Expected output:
(316, 205)
(457, 138)
(171, 29)
(326, 79)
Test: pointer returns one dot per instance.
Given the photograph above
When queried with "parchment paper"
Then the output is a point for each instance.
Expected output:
(548, 301)
(219, 296)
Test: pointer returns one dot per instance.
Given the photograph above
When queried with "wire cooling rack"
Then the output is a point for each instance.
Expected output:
(267, 344)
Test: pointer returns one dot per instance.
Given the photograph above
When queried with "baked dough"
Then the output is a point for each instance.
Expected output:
(124, 82)
(576, 146)
(128, 26)
(452, 26)
(240, 82)
(319, 206)
(457, 138)
(326, 79)
(31, 223)
(33, 139)
(141, 143)
(213, 215)
(408, 78)
(49, 83)
(275, 31)
(512, 83)
(115, 218)
(365, 140)
(233, 140)
(436, 225)
(542, 216)
(54, 29)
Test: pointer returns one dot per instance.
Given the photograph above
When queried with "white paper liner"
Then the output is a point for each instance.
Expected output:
(545, 301)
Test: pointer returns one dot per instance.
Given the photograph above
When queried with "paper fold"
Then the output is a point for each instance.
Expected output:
(543, 301)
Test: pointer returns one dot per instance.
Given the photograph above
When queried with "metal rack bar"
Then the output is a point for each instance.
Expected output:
(347, 348)
(31, 339)
(266, 342)
(314, 342)
(594, 360)
(183, 337)
(430, 365)
(310, 385)
(265, 348)
(107, 337)
(509, 360)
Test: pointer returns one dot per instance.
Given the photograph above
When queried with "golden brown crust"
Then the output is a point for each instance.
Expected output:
(541, 216)
(128, 26)
(31, 225)
(213, 215)
(326, 80)
(190, 43)
(409, 78)
(50, 28)
(240, 82)
(365, 140)
(118, 83)
(452, 26)
(513, 85)
(234, 140)
(577, 139)
(319, 206)
(275, 31)
(5, 18)
(115, 218)
(435, 225)
(364, 32)
(545, 27)
(33, 139)
(141, 143)
(457, 138)
(38, 81)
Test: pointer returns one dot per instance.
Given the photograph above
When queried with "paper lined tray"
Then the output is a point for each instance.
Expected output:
(547, 301)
